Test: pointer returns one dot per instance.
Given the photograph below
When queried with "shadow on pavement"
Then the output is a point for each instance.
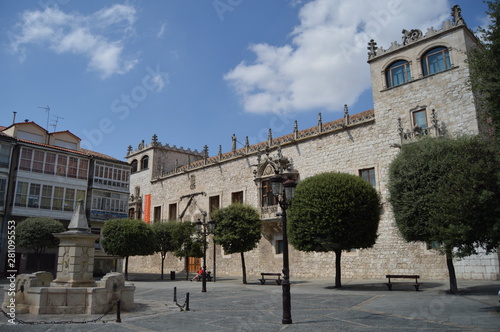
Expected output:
(381, 287)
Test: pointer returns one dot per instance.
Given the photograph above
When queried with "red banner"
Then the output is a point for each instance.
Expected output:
(147, 209)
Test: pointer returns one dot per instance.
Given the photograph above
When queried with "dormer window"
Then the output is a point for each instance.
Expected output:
(436, 60)
(398, 73)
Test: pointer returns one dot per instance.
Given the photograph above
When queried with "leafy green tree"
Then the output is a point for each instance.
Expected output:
(187, 244)
(164, 241)
(36, 233)
(334, 212)
(127, 237)
(447, 191)
(484, 63)
(237, 229)
(174, 236)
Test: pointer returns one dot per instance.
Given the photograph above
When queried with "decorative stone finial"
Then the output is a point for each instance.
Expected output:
(154, 140)
(456, 13)
(78, 221)
(346, 115)
(280, 153)
(205, 153)
(233, 146)
(372, 47)
(400, 130)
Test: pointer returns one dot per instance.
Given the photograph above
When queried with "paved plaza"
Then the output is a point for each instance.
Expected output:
(228, 305)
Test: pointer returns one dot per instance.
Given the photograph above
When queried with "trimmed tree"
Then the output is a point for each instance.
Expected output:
(484, 63)
(36, 233)
(127, 237)
(164, 241)
(334, 212)
(237, 229)
(176, 237)
(447, 191)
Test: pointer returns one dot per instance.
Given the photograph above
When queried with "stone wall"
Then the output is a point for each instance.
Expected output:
(349, 148)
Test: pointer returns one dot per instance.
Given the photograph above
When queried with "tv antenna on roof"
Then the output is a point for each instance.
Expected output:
(47, 109)
(56, 121)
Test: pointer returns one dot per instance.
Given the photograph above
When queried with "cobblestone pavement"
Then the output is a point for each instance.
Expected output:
(228, 305)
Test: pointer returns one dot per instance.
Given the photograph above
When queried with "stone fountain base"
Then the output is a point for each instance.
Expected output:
(37, 294)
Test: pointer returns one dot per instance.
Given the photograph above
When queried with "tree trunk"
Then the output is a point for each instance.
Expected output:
(243, 268)
(38, 261)
(162, 264)
(338, 254)
(38, 256)
(126, 268)
(451, 271)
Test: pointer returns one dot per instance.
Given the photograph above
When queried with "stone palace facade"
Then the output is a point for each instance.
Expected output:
(420, 87)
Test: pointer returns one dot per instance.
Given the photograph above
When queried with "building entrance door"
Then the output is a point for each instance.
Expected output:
(194, 264)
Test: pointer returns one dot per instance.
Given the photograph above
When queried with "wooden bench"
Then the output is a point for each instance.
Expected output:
(208, 277)
(269, 276)
(416, 284)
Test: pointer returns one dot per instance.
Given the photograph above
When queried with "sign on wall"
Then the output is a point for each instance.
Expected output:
(147, 208)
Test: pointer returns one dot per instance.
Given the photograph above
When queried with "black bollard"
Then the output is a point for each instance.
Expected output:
(118, 304)
(175, 294)
(187, 301)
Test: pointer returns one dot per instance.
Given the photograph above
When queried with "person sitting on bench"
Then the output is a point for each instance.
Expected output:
(199, 275)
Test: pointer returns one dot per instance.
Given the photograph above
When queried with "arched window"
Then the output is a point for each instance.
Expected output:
(144, 163)
(436, 60)
(398, 73)
(134, 166)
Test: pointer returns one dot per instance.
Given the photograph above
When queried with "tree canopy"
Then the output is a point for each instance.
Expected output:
(447, 190)
(334, 212)
(127, 237)
(175, 236)
(186, 244)
(237, 229)
(36, 233)
(484, 63)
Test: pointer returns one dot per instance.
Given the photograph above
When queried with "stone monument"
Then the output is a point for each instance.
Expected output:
(74, 291)
(75, 263)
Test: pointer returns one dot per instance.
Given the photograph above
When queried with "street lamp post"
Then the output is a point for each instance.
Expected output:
(205, 228)
(284, 191)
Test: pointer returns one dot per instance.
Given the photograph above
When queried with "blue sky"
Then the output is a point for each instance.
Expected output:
(195, 72)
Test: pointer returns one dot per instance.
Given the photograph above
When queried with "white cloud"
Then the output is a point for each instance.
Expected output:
(324, 66)
(159, 81)
(117, 14)
(88, 36)
(160, 33)
(484, 25)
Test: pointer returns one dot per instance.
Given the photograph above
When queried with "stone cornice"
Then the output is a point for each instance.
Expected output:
(348, 122)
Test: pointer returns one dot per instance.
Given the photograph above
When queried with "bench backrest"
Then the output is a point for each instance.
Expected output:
(410, 276)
